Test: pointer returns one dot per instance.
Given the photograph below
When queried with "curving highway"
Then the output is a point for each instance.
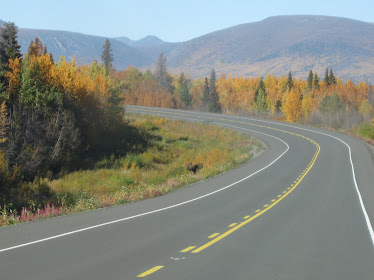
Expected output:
(303, 209)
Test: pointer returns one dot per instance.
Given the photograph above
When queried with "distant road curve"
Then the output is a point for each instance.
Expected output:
(301, 210)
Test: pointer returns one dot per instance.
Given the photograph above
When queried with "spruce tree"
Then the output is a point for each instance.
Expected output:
(332, 79)
(107, 56)
(205, 97)
(310, 80)
(214, 105)
(262, 105)
(183, 90)
(289, 84)
(9, 49)
(260, 86)
(161, 75)
(326, 79)
(316, 81)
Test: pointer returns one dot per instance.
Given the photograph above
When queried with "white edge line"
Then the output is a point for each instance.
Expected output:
(162, 209)
(367, 219)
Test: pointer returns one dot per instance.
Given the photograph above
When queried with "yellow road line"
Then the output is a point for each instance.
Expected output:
(223, 235)
(213, 235)
(144, 274)
(266, 205)
(246, 217)
(233, 224)
(259, 212)
(272, 200)
(187, 249)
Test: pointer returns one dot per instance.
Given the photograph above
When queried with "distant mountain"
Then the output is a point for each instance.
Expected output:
(148, 41)
(144, 42)
(1, 22)
(279, 44)
(274, 45)
(84, 47)
(149, 46)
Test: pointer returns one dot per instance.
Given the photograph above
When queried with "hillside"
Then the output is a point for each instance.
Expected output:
(274, 45)
(279, 44)
(84, 47)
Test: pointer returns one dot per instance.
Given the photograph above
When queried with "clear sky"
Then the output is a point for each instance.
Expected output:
(170, 20)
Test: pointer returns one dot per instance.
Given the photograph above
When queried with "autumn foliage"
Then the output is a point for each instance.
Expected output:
(333, 103)
(53, 117)
(56, 116)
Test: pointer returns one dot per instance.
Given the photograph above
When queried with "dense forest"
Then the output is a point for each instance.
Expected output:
(57, 117)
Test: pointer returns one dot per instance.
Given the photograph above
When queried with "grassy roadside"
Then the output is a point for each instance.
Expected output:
(364, 131)
(148, 171)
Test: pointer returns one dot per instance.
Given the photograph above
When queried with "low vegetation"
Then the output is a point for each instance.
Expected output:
(148, 170)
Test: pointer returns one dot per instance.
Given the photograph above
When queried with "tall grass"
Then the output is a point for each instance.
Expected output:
(139, 175)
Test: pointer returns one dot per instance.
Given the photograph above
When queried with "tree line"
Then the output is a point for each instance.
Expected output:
(56, 116)
(330, 102)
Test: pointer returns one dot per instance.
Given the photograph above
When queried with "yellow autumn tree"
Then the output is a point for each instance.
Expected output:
(292, 107)
(307, 105)
(13, 76)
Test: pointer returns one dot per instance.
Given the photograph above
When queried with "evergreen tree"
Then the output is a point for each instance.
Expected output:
(326, 79)
(260, 86)
(107, 56)
(214, 105)
(332, 79)
(316, 81)
(9, 49)
(161, 75)
(310, 80)
(205, 97)
(183, 90)
(262, 105)
(289, 84)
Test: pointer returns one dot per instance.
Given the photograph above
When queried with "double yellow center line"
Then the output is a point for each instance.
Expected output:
(234, 227)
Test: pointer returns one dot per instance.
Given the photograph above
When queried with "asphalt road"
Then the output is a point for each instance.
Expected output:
(294, 212)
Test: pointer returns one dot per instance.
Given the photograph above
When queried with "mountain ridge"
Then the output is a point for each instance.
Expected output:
(279, 44)
(275, 45)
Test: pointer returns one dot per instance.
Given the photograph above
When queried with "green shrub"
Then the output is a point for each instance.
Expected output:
(365, 130)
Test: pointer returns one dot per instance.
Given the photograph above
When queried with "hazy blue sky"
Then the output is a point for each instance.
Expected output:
(171, 20)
